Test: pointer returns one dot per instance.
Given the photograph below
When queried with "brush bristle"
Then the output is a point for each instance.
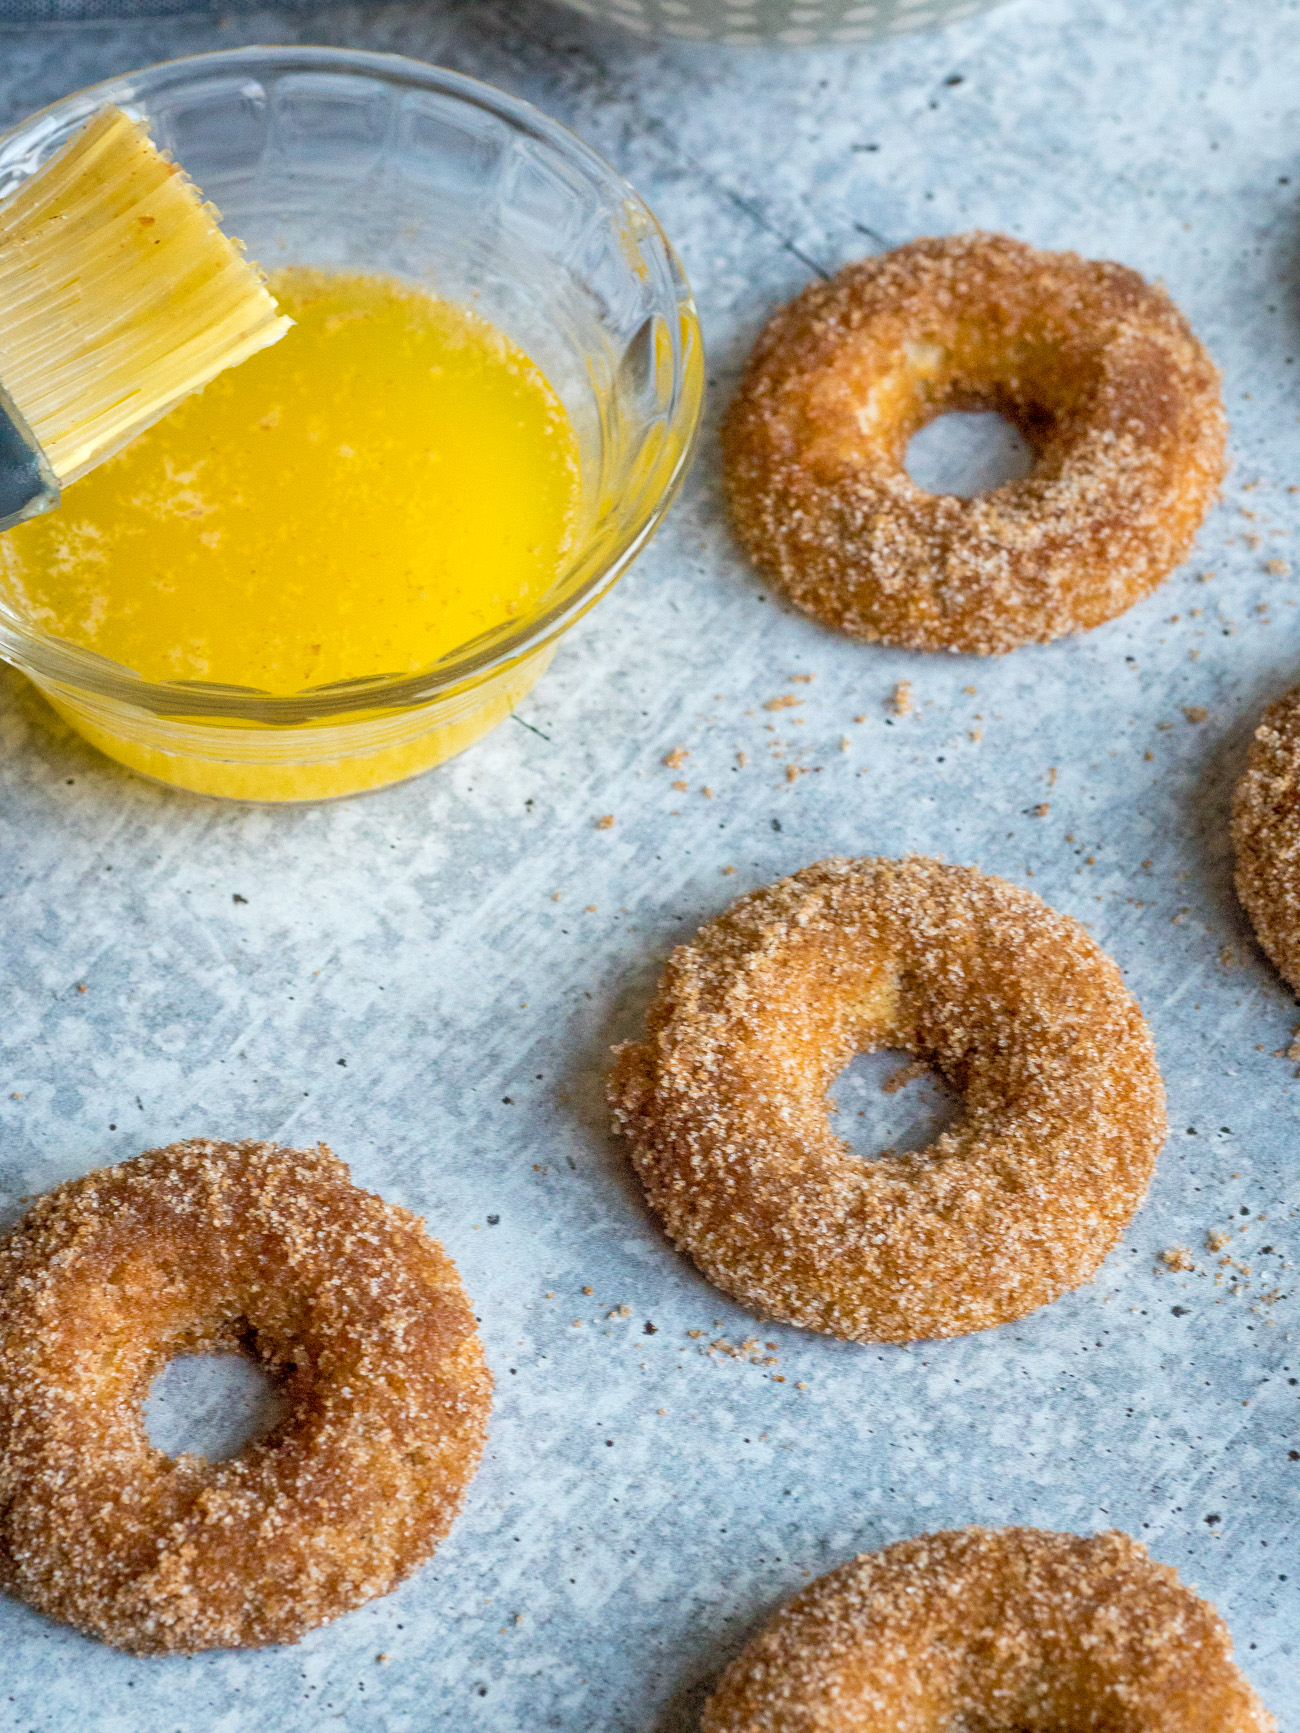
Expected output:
(119, 295)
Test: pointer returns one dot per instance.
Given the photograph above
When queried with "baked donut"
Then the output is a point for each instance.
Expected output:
(725, 1105)
(985, 1629)
(1097, 368)
(1266, 834)
(217, 1247)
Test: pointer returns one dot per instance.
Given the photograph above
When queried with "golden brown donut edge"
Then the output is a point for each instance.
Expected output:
(1266, 834)
(1096, 367)
(992, 1628)
(212, 1247)
(724, 1102)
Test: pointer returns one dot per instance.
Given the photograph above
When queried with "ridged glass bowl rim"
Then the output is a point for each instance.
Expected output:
(67, 665)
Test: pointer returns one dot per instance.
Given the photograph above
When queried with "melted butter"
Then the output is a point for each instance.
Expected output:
(389, 481)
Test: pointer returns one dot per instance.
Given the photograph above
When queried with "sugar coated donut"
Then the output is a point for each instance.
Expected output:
(725, 1102)
(1097, 368)
(988, 1629)
(1266, 832)
(211, 1247)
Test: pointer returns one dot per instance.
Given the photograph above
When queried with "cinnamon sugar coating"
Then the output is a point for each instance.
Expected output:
(218, 1247)
(987, 1630)
(1266, 832)
(1097, 368)
(724, 1102)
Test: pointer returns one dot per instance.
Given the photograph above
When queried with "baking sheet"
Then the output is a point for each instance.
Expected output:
(401, 980)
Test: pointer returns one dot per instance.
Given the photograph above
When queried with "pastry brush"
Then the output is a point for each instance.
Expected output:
(119, 296)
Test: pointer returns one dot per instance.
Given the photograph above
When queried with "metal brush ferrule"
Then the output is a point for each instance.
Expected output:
(27, 483)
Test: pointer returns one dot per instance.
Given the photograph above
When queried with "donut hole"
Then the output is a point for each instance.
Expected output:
(212, 1405)
(888, 1103)
(967, 452)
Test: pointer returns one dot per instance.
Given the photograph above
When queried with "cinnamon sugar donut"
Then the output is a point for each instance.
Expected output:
(724, 1103)
(986, 1629)
(1097, 368)
(212, 1247)
(1266, 833)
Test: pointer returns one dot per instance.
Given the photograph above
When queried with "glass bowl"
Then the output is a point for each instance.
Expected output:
(799, 23)
(372, 162)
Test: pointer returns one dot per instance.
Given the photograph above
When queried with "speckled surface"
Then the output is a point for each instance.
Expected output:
(402, 981)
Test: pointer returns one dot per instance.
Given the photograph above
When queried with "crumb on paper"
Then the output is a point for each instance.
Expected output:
(1195, 712)
(590, 909)
(1177, 1258)
(1228, 958)
(681, 786)
(901, 698)
(1278, 568)
(803, 679)
(845, 743)
(786, 701)
(676, 758)
(727, 871)
(707, 792)
(1215, 1240)
(1041, 810)
(859, 718)
(588, 1290)
(605, 823)
(792, 774)
(741, 761)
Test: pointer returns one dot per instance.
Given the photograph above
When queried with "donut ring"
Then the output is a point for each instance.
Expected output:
(724, 1102)
(212, 1247)
(1097, 368)
(986, 1628)
(1266, 834)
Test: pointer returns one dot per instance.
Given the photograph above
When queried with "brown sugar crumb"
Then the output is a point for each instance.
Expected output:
(1278, 568)
(681, 786)
(1042, 809)
(606, 823)
(1216, 1240)
(859, 718)
(786, 701)
(727, 871)
(1177, 1258)
(676, 758)
(901, 698)
(707, 792)
(1195, 712)
(793, 773)
(588, 1290)
(803, 679)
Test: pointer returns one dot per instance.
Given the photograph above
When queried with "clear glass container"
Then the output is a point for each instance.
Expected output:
(782, 23)
(371, 162)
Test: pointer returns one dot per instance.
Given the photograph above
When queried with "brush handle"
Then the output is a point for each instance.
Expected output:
(27, 483)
